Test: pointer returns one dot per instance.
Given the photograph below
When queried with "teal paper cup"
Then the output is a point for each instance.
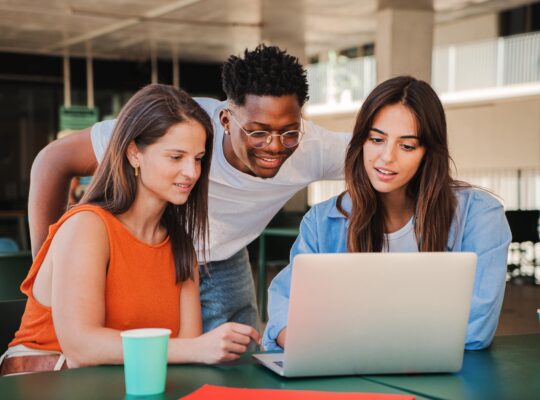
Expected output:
(145, 360)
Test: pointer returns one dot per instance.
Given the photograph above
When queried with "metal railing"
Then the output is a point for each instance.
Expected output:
(477, 65)
(341, 81)
(487, 64)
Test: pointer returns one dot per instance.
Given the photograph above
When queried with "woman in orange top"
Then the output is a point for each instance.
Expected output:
(124, 257)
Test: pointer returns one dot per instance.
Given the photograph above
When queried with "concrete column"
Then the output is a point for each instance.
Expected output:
(153, 63)
(175, 67)
(283, 25)
(404, 38)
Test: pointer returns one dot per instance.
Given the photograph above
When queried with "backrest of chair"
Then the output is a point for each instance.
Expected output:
(11, 312)
(8, 245)
(523, 225)
(13, 269)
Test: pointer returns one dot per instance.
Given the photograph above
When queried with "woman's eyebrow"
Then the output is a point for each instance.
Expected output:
(401, 137)
(176, 151)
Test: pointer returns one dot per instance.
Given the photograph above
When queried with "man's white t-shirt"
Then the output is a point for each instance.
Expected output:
(240, 205)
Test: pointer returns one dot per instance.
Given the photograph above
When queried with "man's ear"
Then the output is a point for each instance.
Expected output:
(133, 154)
(225, 120)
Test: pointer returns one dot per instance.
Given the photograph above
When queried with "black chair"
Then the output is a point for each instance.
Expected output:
(11, 312)
(13, 269)
(524, 227)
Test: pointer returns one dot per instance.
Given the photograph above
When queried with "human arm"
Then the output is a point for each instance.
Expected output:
(190, 307)
(50, 179)
(78, 292)
(279, 290)
(78, 305)
(486, 232)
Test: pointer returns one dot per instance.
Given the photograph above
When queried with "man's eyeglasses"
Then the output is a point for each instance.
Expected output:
(261, 139)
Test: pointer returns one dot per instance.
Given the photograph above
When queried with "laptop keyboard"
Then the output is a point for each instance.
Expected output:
(279, 363)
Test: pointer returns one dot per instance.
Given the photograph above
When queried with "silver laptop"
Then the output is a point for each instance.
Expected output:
(376, 313)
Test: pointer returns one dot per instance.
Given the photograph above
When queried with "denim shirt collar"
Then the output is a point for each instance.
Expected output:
(346, 204)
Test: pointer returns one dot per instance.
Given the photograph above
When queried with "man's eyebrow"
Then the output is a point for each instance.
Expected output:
(401, 137)
(266, 126)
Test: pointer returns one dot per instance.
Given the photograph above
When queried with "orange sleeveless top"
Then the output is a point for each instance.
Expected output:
(140, 290)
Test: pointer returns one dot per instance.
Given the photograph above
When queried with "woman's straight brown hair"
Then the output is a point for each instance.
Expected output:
(146, 117)
(431, 188)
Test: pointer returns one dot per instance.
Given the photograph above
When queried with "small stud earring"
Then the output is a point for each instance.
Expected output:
(227, 132)
(137, 170)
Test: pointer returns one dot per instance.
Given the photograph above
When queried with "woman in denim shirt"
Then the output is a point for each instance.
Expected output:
(401, 197)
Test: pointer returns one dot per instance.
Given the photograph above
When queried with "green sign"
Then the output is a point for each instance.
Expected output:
(77, 117)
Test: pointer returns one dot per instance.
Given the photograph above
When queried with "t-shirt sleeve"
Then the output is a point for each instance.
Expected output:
(332, 150)
(100, 135)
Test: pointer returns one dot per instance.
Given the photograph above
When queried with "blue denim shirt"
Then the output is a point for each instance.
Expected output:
(479, 226)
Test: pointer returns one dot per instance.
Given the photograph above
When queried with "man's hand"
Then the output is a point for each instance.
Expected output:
(225, 343)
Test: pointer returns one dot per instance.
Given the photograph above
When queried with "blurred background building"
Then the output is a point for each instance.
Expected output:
(67, 63)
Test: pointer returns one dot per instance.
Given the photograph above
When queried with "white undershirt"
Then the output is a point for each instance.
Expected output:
(403, 240)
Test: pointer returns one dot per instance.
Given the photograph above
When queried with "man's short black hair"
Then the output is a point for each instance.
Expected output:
(265, 71)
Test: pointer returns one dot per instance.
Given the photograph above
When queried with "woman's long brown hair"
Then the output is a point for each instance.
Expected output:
(431, 188)
(145, 118)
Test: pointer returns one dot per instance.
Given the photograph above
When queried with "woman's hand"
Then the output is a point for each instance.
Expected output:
(225, 343)
(280, 340)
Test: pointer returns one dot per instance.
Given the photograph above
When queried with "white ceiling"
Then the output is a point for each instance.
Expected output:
(202, 30)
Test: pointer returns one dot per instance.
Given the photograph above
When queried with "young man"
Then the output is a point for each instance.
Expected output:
(264, 152)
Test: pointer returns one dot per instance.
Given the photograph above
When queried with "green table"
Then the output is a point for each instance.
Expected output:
(510, 369)
(261, 276)
(107, 382)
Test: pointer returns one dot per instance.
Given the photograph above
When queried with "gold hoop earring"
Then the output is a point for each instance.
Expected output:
(137, 170)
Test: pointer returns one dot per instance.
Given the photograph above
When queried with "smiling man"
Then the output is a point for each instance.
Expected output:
(264, 152)
(257, 152)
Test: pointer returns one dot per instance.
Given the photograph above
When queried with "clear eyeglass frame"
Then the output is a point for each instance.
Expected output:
(262, 139)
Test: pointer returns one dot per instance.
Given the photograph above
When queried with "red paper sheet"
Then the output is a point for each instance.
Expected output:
(210, 392)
